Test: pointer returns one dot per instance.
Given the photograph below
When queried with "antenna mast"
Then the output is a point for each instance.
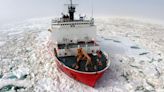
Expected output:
(92, 7)
(71, 10)
(71, 2)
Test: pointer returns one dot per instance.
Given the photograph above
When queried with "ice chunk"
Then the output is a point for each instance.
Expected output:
(2, 43)
(7, 84)
(21, 73)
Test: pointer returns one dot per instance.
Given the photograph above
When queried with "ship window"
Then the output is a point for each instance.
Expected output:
(72, 25)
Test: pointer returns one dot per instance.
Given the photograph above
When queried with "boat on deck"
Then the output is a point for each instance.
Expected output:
(75, 48)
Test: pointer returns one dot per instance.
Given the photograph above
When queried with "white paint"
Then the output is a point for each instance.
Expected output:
(77, 33)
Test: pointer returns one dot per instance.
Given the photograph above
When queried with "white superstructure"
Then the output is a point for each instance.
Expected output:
(69, 34)
(73, 31)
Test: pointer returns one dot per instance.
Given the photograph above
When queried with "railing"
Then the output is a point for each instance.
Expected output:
(108, 59)
(75, 22)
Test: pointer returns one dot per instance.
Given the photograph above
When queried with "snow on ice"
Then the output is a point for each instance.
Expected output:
(135, 48)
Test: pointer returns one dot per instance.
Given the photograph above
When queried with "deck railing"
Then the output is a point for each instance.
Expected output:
(75, 22)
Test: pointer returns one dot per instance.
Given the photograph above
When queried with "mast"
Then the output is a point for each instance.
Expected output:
(71, 10)
(71, 2)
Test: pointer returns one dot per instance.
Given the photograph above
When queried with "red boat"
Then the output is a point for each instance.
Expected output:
(86, 77)
(75, 49)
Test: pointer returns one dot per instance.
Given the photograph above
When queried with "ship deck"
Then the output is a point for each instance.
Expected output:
(70, 61)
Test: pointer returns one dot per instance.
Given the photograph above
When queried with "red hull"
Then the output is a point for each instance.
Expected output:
(89, 79)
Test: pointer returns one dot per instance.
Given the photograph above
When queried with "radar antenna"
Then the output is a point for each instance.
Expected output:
(71, 10)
